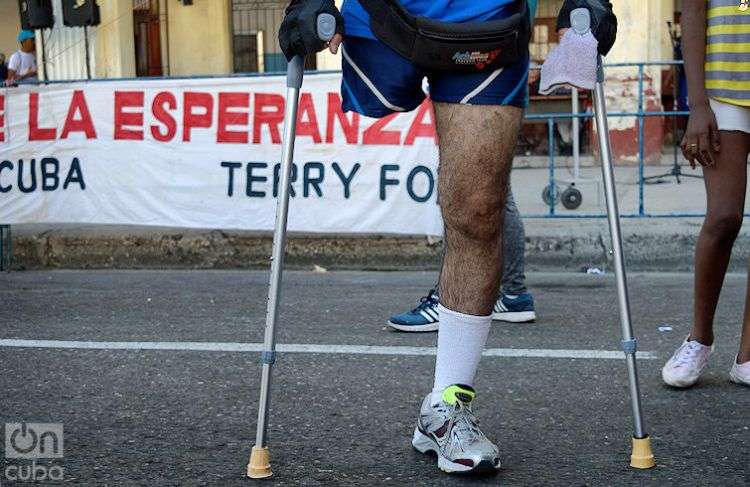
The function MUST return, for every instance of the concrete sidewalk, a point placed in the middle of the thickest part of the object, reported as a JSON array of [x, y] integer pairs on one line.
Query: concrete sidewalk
[[650, 243]]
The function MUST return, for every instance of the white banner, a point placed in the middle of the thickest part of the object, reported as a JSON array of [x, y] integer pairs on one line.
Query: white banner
[[204, 153]]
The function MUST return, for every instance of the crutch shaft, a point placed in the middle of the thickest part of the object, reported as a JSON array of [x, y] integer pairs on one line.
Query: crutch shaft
[[613, 217], [277, 260]]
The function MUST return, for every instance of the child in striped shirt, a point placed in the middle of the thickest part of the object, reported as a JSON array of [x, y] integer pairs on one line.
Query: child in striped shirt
[[716, 47]]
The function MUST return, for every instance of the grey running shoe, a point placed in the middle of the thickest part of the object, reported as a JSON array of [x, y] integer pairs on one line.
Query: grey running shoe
[[450, 430]]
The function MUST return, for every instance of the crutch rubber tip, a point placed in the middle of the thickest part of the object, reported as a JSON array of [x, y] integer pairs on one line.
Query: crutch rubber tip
[[642, 456], [259, 466]]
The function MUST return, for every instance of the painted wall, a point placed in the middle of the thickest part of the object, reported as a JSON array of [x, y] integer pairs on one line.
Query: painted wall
[[10, 24], [548, 8], [115, 41], [642, 36], [200, 37]]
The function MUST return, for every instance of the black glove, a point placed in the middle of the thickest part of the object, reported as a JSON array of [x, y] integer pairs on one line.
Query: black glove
[[298, 34], [603, 20]]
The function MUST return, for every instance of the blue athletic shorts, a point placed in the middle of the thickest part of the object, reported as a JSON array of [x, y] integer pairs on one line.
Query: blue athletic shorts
[[377, 81]]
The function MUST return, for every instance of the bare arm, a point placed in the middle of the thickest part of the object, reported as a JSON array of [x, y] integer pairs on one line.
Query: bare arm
[[11, 80], [701, 139], [29, 74], [14, 65]]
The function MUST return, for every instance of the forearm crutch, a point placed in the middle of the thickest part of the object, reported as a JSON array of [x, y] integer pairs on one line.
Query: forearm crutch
[[641, 456], [259, 465]]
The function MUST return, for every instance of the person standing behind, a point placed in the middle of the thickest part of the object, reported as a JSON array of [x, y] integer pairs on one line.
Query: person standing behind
[[514, 304], [22, 63], [3, 68]]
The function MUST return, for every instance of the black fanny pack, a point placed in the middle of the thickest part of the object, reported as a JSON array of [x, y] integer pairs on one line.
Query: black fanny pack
[[442, 46]]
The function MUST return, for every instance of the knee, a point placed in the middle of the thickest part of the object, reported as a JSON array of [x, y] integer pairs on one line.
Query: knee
[[723, 225], [477, 217]]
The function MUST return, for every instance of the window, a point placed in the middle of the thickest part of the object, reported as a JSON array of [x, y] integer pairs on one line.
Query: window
[[255, 24], [248, 53]]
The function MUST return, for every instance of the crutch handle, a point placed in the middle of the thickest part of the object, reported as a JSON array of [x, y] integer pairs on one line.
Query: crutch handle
[[580, 20], [326, 29]]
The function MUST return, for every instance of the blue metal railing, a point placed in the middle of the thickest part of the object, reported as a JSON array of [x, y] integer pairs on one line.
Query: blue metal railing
[[641, 115]]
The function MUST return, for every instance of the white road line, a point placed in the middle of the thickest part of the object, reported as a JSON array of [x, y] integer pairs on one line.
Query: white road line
[[313, 348]]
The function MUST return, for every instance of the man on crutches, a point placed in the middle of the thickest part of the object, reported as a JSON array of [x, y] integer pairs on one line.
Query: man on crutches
[[474, 54]]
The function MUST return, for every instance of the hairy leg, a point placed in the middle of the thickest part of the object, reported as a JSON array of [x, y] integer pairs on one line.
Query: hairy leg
[[514, 250], [725, 191], [476, 154]]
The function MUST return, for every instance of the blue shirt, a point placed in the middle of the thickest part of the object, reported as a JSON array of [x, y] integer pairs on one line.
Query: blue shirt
[[357, 20]]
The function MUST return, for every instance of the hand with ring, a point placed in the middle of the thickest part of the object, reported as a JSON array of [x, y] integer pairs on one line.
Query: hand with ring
[[701, 140]]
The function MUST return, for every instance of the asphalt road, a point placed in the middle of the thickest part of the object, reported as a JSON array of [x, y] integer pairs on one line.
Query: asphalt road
[[167, 417]]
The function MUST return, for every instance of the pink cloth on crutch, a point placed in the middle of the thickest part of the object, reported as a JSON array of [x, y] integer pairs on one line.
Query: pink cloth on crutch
[[572, 62]]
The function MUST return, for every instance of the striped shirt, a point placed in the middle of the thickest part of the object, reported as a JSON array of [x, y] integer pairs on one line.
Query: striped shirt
[[728, 51]]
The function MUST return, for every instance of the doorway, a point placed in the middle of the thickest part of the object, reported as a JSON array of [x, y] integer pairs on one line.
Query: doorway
[[146, 23]]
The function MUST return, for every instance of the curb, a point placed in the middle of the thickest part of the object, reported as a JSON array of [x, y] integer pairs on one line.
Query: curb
[[653, 245]]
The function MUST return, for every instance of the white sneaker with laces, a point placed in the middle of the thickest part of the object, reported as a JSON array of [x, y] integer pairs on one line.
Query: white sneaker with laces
[[687, 364], [740, 373]]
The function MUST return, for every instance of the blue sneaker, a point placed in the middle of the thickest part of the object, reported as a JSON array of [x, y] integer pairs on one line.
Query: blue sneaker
[[422, 318], [514, 309]]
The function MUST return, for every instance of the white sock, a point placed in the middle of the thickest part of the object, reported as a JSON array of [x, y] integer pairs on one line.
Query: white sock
[[461, 340]]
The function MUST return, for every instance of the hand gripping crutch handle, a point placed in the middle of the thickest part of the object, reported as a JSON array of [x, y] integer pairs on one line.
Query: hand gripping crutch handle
[[259, 464], [326, 28]]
